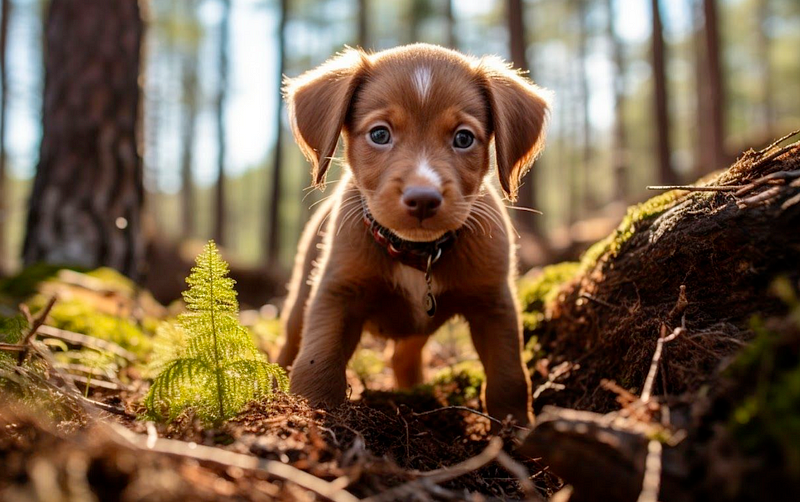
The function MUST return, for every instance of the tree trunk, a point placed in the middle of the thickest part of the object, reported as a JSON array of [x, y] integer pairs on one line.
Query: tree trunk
[[666, 175], [589, 201], [189, 84], [573, 136], [528, 222], [450, 19], [417, 12], [711, 113], [272, 234], [363, 25], [764, 61], [619, 148], [87, 196], [219, 212], [6, 10]]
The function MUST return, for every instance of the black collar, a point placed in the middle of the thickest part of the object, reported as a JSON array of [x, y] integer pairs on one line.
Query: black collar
[[411, 253]]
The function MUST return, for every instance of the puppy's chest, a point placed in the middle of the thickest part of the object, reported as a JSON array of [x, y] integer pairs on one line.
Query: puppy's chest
[[410, 282], [400, 311]]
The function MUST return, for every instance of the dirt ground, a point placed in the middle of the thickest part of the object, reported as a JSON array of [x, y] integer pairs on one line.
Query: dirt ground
[[665, 366]]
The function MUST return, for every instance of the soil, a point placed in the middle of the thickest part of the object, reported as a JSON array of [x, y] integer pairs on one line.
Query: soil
[[697, 264]]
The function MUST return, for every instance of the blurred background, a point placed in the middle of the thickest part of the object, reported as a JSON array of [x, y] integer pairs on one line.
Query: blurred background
[[647, 92]]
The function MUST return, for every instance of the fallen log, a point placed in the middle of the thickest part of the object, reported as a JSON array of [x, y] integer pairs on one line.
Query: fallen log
[[700, 260]]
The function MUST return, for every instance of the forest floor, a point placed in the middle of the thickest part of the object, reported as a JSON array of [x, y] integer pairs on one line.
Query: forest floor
[[665, 365]]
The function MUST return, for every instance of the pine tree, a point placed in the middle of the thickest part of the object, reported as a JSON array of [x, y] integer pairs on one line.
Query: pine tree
[[219, 369]]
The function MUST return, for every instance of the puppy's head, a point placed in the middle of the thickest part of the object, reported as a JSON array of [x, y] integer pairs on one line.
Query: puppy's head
[[418, 123]]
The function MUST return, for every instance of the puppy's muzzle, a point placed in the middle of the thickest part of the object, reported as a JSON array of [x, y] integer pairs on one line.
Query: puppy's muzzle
[[421, 202]]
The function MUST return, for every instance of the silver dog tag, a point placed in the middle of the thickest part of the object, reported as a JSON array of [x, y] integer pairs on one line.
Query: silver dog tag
[[428, 301], [430, 304]]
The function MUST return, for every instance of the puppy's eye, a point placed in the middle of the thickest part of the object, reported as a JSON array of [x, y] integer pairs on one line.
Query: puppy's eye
[[463, 139], [380, 135]]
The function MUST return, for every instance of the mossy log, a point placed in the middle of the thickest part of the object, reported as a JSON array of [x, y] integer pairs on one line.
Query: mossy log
[[698, 262]]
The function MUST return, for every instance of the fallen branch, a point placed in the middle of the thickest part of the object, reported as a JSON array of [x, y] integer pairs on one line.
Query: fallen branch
[[11, 347], [94, 382], [651, 482], [226, 458], [521, 473], [693, 188], [87, 341], [35, 325]]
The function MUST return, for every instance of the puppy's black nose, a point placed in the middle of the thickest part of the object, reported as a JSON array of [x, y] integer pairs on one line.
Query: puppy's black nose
[[421, 202]]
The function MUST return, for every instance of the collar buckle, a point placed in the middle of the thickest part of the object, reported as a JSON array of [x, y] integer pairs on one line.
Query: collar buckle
[[419, 255]]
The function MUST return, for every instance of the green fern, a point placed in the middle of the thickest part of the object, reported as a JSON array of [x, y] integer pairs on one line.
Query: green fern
[[219, 368]]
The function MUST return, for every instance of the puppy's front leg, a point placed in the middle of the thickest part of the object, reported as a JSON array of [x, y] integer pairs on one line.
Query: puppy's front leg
[[330, 335], [497, 335]]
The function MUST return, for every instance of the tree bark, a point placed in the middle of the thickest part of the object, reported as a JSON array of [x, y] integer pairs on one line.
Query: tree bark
[[222, 92], [682, 253], [5, 12], [450, 19], [666, 175], [188, 129], [711, 112], [697, 265], [589, 202], [87, 196], [619, 148], [764, 47], [515, 14], [272, 233], [363, 25]]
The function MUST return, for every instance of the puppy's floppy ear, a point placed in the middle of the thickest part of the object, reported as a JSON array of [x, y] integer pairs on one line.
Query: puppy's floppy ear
[[318, 101], [519, 110]]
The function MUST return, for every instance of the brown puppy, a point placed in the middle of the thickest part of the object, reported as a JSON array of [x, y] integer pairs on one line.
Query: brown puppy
[[414, 234]]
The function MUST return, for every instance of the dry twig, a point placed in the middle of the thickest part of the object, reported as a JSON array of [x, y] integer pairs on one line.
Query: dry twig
[[11, 347], [87, 341], [231, 459], [562, 495], [470, 410], [693, 188], [35, 324], [521, 473], [651, 374], [651, 482]]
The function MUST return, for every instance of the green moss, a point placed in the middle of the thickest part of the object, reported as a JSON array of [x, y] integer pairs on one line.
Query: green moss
[[114, 280], [25, 386], [767, 418], [11, 330], [81, 317], [459, 383], [533, 351], [537, 292], [454, 338], [636, 214], [366, 363], [25, 283]]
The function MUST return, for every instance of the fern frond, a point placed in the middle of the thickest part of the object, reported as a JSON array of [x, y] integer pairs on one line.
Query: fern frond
[[217, 368], [183, 383], [258, 375], [168, 343], [210, 290]]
